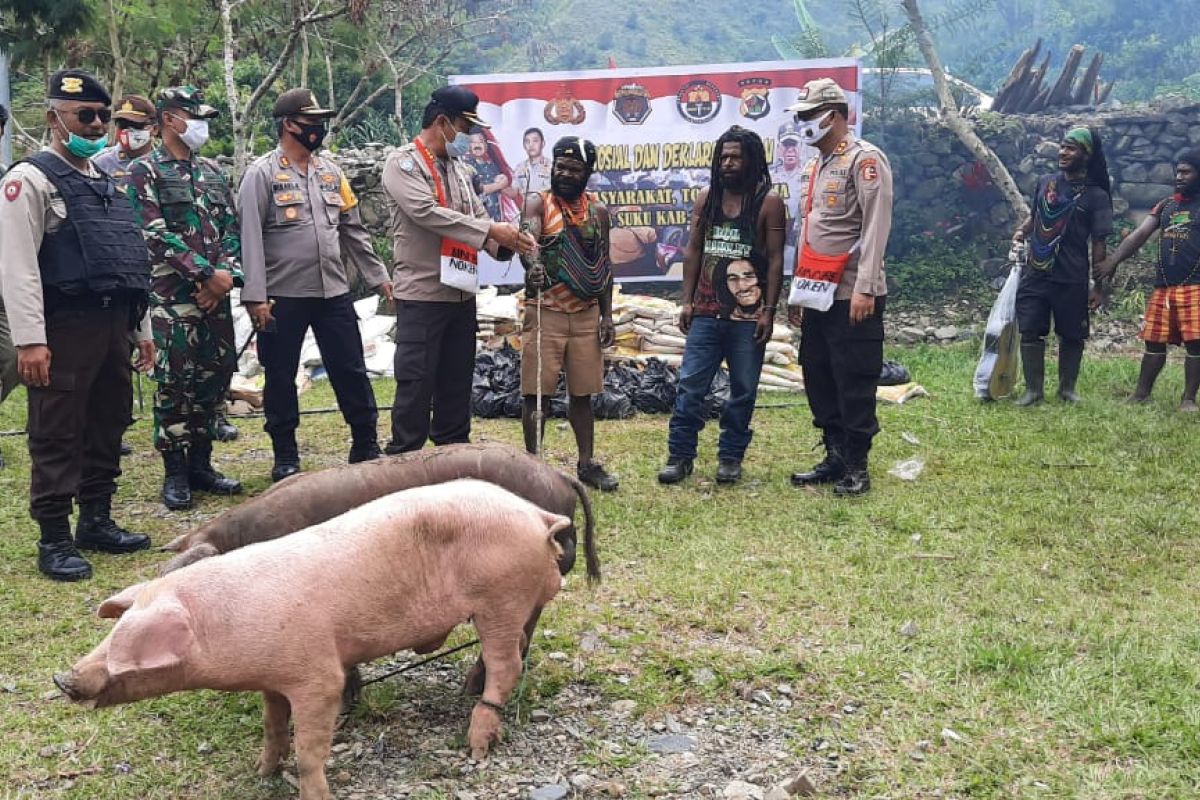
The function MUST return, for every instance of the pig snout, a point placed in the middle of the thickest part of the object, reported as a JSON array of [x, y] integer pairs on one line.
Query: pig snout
[[84, 688]]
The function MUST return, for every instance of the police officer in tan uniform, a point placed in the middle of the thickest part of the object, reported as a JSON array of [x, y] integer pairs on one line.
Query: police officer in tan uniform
[[439, 220], [300, 227], [75, 276], [134, 120], [845, 213]]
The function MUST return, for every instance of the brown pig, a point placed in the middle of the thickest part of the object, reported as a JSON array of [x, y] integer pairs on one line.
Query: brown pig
[[311, 498], [288, 617]]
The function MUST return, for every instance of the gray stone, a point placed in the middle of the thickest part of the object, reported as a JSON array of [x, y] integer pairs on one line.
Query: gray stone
[[1145, 195], [668, 745], [1047, 150], [1162, 173], [1134, 172], [740, 790], [761, 697], [946, 333], [910, 335], [556, 791]]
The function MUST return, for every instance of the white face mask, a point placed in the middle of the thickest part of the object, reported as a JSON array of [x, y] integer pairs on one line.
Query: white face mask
[[135, 139], [196, 134], [811, 131]]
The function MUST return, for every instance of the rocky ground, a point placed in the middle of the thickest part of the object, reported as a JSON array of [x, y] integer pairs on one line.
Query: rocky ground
[[576, 745]]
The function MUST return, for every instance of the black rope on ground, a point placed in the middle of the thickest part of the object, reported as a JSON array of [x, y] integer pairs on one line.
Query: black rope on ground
[[421, 663]]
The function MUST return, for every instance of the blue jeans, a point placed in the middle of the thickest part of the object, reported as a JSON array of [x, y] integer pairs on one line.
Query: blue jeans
[[710, 340]]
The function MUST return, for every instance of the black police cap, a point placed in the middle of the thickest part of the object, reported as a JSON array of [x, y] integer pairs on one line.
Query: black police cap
[[76, 84], [458, 101]]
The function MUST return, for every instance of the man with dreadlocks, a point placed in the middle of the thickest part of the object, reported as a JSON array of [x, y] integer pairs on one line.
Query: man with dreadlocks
[[1070, 208], [845, 213], [736, 221], [1173, 309], [570, 276]]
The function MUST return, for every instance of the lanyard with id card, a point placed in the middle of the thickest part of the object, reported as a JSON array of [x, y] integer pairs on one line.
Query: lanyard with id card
[[459, 262]]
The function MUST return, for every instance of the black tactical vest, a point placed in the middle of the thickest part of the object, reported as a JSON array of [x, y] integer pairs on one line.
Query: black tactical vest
[[99, 249]]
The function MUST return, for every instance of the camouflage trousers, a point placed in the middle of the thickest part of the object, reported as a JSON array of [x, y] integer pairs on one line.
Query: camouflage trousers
[[195, 360]]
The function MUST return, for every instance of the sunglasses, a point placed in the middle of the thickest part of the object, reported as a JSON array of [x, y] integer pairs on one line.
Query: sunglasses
[[87, 116]]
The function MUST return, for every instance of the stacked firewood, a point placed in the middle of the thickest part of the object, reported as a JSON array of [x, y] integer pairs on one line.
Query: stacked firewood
[[1026, 90]]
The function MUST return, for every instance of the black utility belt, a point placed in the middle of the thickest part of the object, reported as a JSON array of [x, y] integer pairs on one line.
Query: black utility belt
[[90, 301]]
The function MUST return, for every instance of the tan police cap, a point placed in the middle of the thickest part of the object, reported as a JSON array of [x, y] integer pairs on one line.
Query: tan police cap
[[816, 93], [135, 108]]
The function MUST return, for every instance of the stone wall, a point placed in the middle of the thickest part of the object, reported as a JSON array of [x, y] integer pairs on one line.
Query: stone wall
[[940, 188]]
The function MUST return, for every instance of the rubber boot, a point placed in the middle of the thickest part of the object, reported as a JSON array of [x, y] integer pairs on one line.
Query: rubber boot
[[676, 470], [1070, 356], [1191, 383], [1033, 365], [58, 559], [97, 531], [201, 475], [830, 469], [287, 455], [176, 493], [1152, 365], [225, 431]]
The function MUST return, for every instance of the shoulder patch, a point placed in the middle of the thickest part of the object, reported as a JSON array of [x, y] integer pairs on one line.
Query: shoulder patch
[[12, 189], [407, 164], [868, 168]]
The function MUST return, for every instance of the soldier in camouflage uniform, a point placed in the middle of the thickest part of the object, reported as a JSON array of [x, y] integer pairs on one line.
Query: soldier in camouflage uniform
[[190, 223]]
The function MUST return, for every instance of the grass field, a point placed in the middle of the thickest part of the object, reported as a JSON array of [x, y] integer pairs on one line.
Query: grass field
[[1034, 591]]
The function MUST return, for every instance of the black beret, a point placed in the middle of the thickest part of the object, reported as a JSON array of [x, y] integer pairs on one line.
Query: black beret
[[577, 148], [75, 84]]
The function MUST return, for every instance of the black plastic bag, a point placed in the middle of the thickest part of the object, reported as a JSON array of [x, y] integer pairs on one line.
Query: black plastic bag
[[656, 390], [893, 374], [718, 395]]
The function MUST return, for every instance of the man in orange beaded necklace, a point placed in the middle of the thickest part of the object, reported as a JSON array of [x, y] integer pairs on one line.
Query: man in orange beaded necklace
[[571, 278]]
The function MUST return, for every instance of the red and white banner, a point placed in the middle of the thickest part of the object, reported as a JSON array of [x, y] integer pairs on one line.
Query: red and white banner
[[654, 130]]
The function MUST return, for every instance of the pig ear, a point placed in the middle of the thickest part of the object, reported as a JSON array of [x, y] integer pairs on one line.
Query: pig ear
[[119, 603], [150, 638]]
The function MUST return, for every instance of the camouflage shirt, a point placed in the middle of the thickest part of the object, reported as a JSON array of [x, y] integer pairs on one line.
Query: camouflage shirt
[[190, 223]]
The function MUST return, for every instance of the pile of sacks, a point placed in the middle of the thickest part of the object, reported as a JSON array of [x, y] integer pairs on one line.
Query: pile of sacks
[[646, 328]]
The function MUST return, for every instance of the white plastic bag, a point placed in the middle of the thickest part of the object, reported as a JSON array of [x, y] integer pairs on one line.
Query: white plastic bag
[[1000, 363]]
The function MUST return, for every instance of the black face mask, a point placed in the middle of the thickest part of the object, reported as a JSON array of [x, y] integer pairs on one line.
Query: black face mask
[[567, 188], [311, 136]]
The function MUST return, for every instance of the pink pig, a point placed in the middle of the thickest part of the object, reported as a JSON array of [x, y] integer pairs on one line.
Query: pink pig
[[288, 617]]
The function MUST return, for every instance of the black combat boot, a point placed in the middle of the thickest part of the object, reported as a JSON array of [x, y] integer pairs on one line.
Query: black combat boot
[[364, 446], [676, 470], [287, 455], [176, 490], [97, 531], [58, 559], [857, 479], [729, 470], [225, 431], [201, 475], [1033, 364], [830, 469], [1070, 356]]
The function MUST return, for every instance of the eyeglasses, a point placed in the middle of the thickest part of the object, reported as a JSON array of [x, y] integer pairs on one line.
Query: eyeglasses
[[124, 124], [87, 116]]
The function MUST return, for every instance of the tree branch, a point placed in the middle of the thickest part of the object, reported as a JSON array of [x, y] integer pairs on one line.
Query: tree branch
[[951, 118]]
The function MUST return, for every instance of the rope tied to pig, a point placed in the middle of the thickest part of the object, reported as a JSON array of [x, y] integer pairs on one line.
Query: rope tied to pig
[[413, 665]]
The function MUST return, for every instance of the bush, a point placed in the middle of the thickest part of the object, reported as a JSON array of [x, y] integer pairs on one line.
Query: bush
[[936, 268]]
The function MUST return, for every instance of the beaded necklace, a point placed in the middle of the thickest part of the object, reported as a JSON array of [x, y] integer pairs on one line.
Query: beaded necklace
[[1162, 273]]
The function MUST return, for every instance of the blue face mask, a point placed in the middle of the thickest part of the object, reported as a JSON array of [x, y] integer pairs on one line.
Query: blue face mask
[[460, 146], [81, 147]]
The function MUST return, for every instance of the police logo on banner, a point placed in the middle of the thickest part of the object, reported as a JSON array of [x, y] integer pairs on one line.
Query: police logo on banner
[[564, 109], [631, 104], [699, 101], [756, 103]]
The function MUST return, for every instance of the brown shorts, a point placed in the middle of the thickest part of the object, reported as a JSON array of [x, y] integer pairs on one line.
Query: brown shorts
[[570, 342], [1172, 315]]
